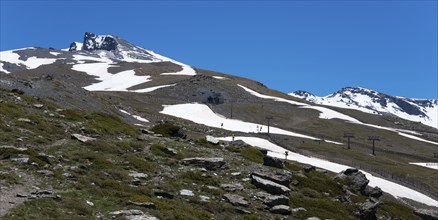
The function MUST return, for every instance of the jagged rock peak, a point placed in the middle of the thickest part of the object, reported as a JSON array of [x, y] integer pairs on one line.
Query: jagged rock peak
[[99, 42], [303, 93]]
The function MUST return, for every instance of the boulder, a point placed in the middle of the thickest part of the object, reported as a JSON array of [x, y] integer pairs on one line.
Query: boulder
[[21, 160], [146, 131], [308, 169], [272, 200], [211, 139], [281, 209], [236, 199], [273, 162], [299, 209], [283, 178], [148, 205], [39, 106], [186, 192], [82, 138], [240, 143], [163, 194], [269, 186], [375, 192], [426, 214], [133, 214], [367, 210], [232, 187], [135, 174], [212, 163], [44, 157], [358, 179]]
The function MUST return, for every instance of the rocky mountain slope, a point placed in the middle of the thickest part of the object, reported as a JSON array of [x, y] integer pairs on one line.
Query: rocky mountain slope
[[106, 129], [366, 100]]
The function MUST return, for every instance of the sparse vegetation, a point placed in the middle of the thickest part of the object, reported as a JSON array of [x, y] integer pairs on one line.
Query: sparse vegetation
[[252, 154]]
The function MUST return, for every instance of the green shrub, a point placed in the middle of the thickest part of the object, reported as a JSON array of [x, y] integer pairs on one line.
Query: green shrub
[[161, 150], [393, 210], [310, 193], [141, 164], [233, 148], [73, 115], [102, 123], [167, 129], [252, 154], [9, 178], [200, 178], [7, 152]]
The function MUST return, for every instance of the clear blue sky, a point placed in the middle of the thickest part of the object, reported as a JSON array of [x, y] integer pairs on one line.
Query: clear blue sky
[[318, 46]]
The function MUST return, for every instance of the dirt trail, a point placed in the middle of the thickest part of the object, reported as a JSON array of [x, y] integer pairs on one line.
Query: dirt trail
[[8, 194]]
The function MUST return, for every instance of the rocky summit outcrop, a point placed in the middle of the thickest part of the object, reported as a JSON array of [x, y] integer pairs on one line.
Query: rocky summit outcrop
[[98, 42]]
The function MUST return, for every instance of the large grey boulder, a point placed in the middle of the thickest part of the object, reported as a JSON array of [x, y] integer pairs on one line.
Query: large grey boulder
[[269, 186], [358, 179], [273, 162], [283, 178], [212, 163], [375, 192], [236, 199], [281, 209], [272, 200], [367, 210]]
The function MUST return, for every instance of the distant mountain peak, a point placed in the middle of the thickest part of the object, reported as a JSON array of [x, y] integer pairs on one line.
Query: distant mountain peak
[[370, 101]]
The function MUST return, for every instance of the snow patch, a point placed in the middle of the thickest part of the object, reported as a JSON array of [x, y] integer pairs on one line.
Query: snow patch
[[3, 70], [31, 63], [431, 165], [118, 82], [151, 89], [220, 77], [54, 53], [202, 114], [139, 118]]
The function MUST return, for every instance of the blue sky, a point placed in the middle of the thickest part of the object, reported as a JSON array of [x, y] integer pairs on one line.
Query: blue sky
[[317, 46]]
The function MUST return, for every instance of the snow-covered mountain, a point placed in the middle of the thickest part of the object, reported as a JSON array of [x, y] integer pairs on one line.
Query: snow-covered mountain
[[366, 100], [100, 56]]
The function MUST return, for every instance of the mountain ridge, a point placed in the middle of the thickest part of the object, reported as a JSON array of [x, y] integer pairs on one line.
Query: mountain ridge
[[374, 102]]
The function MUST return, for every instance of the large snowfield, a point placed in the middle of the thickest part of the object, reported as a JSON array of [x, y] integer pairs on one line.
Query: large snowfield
[[392, 188], [202, 114]]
